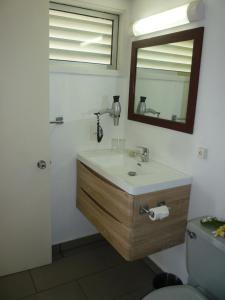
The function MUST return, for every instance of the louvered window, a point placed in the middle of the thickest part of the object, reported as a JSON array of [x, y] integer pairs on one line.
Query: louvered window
[[82, 35], [170, 57]]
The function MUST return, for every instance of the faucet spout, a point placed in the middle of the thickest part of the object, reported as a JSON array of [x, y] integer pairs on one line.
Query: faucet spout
[[144, 155]]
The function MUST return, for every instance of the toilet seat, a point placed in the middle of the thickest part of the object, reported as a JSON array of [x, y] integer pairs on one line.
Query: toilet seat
[[179, 292]]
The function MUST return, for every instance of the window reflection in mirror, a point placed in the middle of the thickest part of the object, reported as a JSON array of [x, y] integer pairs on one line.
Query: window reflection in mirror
[[164, 76], [162, 80]]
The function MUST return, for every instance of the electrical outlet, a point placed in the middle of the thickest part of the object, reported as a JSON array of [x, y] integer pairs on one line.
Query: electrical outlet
[[202, 153]]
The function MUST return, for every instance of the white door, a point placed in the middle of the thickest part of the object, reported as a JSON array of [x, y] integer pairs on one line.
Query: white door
[[25, 233]]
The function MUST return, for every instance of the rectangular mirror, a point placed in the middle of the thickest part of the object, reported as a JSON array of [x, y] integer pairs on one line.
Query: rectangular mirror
[[164, 80]]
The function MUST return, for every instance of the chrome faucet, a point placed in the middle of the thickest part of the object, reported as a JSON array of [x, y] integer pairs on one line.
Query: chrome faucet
[[114, 111], [144, 155]]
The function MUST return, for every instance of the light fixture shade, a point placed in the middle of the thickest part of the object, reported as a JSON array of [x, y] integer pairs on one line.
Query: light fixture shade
[[196, 11], [178, 16]]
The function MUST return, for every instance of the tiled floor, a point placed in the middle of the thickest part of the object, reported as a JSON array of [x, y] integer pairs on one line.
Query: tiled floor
[[93, 272]]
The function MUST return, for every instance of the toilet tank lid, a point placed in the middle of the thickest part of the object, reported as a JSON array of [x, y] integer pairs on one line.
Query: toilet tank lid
[[205, 233]]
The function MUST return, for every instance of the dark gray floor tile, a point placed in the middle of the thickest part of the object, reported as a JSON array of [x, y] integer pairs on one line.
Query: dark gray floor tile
[[152, 265], [139, 293], [56, 252], [87, 247], [117, 281], [69, 291], [81, 242], [16, 286], [126, 297], [73, 267]]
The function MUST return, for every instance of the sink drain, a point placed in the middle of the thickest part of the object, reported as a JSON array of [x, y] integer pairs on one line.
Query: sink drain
[[132, 173]]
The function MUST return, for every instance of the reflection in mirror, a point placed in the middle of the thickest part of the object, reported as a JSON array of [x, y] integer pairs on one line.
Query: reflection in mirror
[[162, 80], [164, 75]]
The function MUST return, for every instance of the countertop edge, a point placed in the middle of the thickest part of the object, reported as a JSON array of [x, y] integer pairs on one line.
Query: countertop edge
[[135, 191]]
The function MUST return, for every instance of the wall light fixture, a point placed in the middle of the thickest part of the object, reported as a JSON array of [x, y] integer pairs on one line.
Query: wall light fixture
[[190, 12]]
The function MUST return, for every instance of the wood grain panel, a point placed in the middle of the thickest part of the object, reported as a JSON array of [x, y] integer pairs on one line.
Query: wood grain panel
[[115, 214], [113, 231], [154, 243], [177, 199], [114, 200]]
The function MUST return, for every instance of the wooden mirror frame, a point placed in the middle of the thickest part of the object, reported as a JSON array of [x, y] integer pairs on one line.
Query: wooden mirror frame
[[193, 34]]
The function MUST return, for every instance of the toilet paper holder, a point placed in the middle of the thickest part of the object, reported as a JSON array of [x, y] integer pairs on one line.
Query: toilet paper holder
[[146, 210]]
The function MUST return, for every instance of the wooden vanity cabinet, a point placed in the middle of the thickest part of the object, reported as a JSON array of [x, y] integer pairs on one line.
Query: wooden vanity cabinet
[[115, 214]]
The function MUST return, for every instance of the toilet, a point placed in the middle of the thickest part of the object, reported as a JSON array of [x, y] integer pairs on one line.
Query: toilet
[[205, 265]]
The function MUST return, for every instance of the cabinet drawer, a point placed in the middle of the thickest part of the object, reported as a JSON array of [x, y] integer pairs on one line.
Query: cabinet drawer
[[177, 199], [116, 215], [114, 200], [113, 231], [154, 240]]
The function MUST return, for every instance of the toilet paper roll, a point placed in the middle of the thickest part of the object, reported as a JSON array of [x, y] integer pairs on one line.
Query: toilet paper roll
[[158, 213]]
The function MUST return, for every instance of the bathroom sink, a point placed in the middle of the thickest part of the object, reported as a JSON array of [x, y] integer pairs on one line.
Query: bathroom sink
[[131, 175]]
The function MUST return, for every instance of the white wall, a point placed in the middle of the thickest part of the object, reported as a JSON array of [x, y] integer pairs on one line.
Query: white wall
[[76, 93], [178, 149], [171, 147], [76, 97], [166, 92]]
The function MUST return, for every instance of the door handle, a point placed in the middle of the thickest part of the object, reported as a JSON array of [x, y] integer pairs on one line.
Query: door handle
[[41, 164], [58, 121]]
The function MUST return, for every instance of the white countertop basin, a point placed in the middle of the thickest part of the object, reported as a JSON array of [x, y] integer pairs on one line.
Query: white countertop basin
[[150, 176]]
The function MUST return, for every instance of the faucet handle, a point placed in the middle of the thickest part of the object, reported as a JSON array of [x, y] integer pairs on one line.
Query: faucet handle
[[144, 149], [144, 154]]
